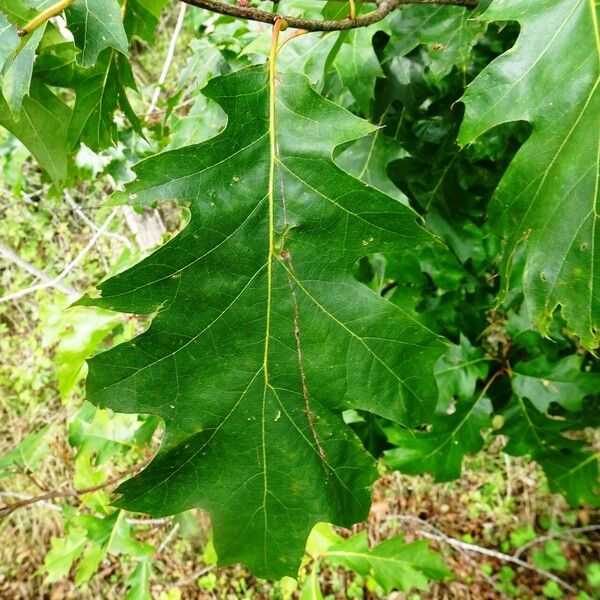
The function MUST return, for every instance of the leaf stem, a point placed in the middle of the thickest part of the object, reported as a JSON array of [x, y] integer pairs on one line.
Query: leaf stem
[[280, 25], [44, 16], [352, 5], [290, 37]]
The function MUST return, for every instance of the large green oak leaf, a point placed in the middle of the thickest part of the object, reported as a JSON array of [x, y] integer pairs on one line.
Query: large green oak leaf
[[261, 337], [548, 198]]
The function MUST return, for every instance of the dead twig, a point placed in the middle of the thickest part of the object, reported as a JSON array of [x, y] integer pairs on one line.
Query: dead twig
[[427, 530], [7, 509], [566, 534], [54, 282]]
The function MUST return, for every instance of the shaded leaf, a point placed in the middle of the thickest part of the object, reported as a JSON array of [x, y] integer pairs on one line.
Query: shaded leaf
[[573, 475], [42, 127], [368, 159], [570, 469], [441, 450], [563, 382], [358, 66], [142, 18], [9, 40], [55, 63], [548, 198], [25, 454], [18, 12], [457, 372], [447, 34], [310, 55], [100, 91], [16, 78], [96, 25]]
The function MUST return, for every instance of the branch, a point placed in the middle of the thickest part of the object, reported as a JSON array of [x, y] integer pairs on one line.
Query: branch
[[44, 16], [58, 509], [167, 539], [193, 578], [567, 534], [427, 530], [384, 8], [13, 257], [7, 509], [56, 280], [168, 60], [109, 234], [500, 556]]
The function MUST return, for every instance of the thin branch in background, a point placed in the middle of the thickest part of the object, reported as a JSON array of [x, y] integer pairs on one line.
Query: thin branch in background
[[56, 508], [27, 473], [167, 539], [566, 534], [13, 257], [508, 478], [41, 503], [79, 212], [150, 522], [56, 280], [192, 579], [33, 198], [177, 107], [500, 556], [168, 60], [384, 8], [427, 530], [7, 509]]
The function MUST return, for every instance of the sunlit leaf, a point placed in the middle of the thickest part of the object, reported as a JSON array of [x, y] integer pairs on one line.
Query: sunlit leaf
[[261, 336]]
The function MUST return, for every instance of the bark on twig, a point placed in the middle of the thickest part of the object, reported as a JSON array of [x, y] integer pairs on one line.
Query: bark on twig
[[384, 8]]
